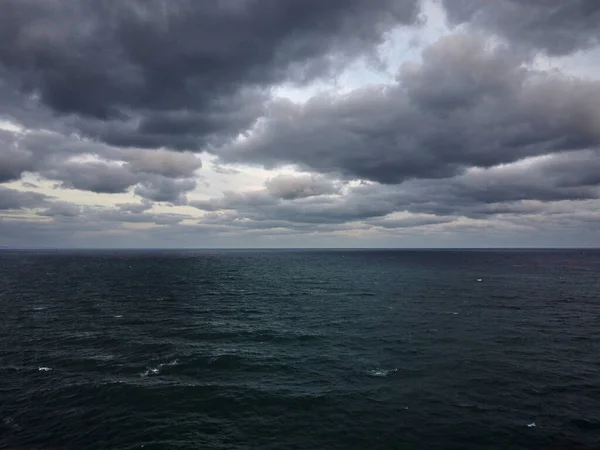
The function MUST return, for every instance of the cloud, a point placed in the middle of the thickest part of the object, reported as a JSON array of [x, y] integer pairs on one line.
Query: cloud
[[14, 199], [557, 27], [411, 221], [290, 187], [61, 209], [236, 200], [135, 208], [80, 163], [466, 104], [525, 187], [161, 189], [13, 162], [101, 177], [177, 73], [118, 216], [469, 137], [163, 162]]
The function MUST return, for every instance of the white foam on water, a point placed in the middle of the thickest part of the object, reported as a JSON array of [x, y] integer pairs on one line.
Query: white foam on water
[[479, 279], [381, 372], [531, 425], [117, 317], [156, 370], [44, 369], [151, 371]]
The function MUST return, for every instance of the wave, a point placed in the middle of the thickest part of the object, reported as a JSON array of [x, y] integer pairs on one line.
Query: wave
[[381, 372], [156, 370]]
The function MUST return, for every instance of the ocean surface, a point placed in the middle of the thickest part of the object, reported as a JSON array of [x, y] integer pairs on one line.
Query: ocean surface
[[300, 349]]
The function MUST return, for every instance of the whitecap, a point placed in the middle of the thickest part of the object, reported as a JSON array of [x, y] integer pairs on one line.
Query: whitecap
[[117, 317], [381, 372], [479, 279], [151, 371], [156, 370], [531, 425], [44, 369]]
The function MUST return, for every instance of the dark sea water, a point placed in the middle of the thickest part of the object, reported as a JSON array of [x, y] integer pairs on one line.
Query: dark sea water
[[300, 349]]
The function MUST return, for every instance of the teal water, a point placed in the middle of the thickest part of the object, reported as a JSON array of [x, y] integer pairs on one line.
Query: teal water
[[299, 349]]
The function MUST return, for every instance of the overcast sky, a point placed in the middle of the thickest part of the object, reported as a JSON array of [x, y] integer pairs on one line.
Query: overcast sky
[[299, 123]]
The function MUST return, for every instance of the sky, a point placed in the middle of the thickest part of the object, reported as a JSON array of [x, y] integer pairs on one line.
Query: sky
[[299, 123]]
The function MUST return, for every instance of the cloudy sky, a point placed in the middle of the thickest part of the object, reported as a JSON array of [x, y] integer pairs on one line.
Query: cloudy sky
[[299, 123]]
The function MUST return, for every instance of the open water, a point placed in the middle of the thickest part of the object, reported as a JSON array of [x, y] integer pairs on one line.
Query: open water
[[300, 349]]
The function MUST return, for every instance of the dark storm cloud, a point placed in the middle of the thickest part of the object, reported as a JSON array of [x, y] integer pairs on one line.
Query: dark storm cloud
[[13, 199], [555, 26], [155, 73], [467, 104], [184, 129]]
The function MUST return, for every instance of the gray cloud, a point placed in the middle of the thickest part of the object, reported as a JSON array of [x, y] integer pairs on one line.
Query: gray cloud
[[290, 187], [174, 73], [555, 26], [61, 209], [158, 174], [297, 191], [522, 188], [13, 162], [101, 177], [467, 104], [137, 208], [163, 162], [411, 221], [466, 138], [161, 189], [14, 199], [118, 216], [93, 227], [236, 200]]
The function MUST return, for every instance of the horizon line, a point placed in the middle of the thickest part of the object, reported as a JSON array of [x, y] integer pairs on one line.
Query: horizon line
[[7, 248]]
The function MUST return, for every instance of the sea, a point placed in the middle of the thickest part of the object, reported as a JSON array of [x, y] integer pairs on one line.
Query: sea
[[300, 349]]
